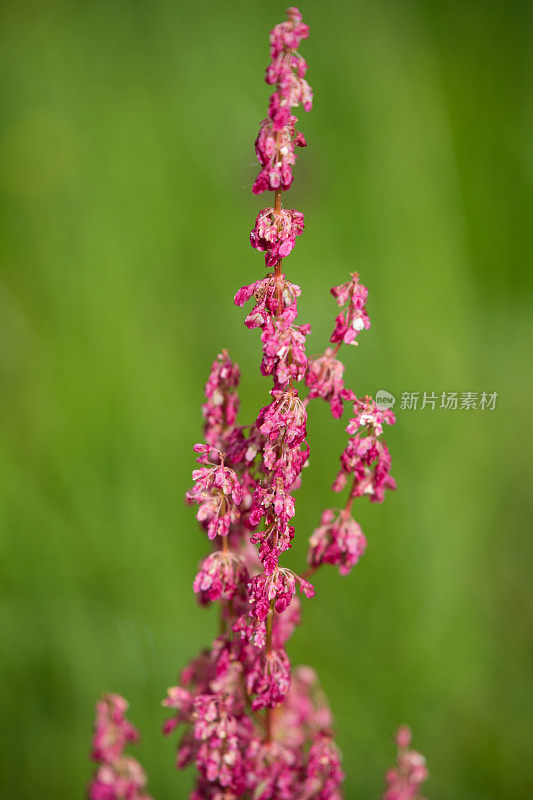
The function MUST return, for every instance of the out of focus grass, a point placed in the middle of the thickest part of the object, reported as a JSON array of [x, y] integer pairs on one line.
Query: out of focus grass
[[126, 164]]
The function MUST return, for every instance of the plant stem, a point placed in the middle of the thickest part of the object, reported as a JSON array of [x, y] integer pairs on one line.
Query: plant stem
[[277, 268], [268, 647]]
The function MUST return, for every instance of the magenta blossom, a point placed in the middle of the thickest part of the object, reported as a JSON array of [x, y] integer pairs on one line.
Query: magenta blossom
[[404, 781], [252, 726], [218, 493], [119, 776], [275, 151], [274, 234], [353, 318], [220, 576], [269, 679], [339, 540], [324, 379], [222, 401], [267, 293]]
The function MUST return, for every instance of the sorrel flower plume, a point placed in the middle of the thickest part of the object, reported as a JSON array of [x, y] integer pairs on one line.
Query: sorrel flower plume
[[254, 726], [404, 781], [118, 777]]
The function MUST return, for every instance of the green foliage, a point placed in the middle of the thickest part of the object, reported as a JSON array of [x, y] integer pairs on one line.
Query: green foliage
[[126, 163]]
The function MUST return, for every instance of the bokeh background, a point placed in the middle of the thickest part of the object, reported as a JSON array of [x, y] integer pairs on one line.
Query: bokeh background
[[127, 159]]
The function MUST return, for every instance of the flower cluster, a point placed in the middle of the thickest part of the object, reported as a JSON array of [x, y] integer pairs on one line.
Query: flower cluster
[[252, 724], [118, 777], [220, 576], [351, 297], [275, 232], [275, 311], [275, 150], [222, 401], [297, 760], [404, 781], [277, 139], [339, 540], [366, 457], [217, 491], [324, 379]]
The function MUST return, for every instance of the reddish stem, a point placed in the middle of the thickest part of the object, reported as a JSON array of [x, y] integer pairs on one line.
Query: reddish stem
[[268, 647], [277, 268]]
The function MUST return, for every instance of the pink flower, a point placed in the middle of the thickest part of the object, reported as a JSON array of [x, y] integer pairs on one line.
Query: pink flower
[[218, 493], [339, 541], [275, 769], [353, 318], [181, 700], [404, 781], [112, 731], [251, 630], [287, 70], [266, 293], [286, 462], [269, 678], [369, 463], [403, 736], [244, 488], [276, 153], [285, 416], [323, 774], [222, 401], [366, 413], [284, 351], [220, 577], [275, 591], [366, 457], [275, 234], [122, 780], [324, 379], [223, 731], [288, 35], [119, 777]]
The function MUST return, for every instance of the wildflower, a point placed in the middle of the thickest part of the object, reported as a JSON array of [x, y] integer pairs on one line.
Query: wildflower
[[404, 781], [218, 493], [252, 726], [275, 150], [353, 318], [276, 591], [119, 776], [220, 577], [339, 540], [267, 292], [222, 401], [323, 774], [366, 413], [274, 234], [368, 462], [112, 731], [324, 379], [269, 678], [285, 416], [284, 352]]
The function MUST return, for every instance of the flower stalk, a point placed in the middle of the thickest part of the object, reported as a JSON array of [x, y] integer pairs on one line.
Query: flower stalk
[[244, 489]]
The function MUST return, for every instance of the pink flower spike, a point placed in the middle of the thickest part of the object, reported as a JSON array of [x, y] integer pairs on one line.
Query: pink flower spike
[[275, 234], [118, 775], [338, 541], [404, 781], [354, 318]]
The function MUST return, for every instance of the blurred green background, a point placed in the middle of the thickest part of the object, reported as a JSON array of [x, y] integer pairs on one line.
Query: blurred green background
[[127, 159]]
